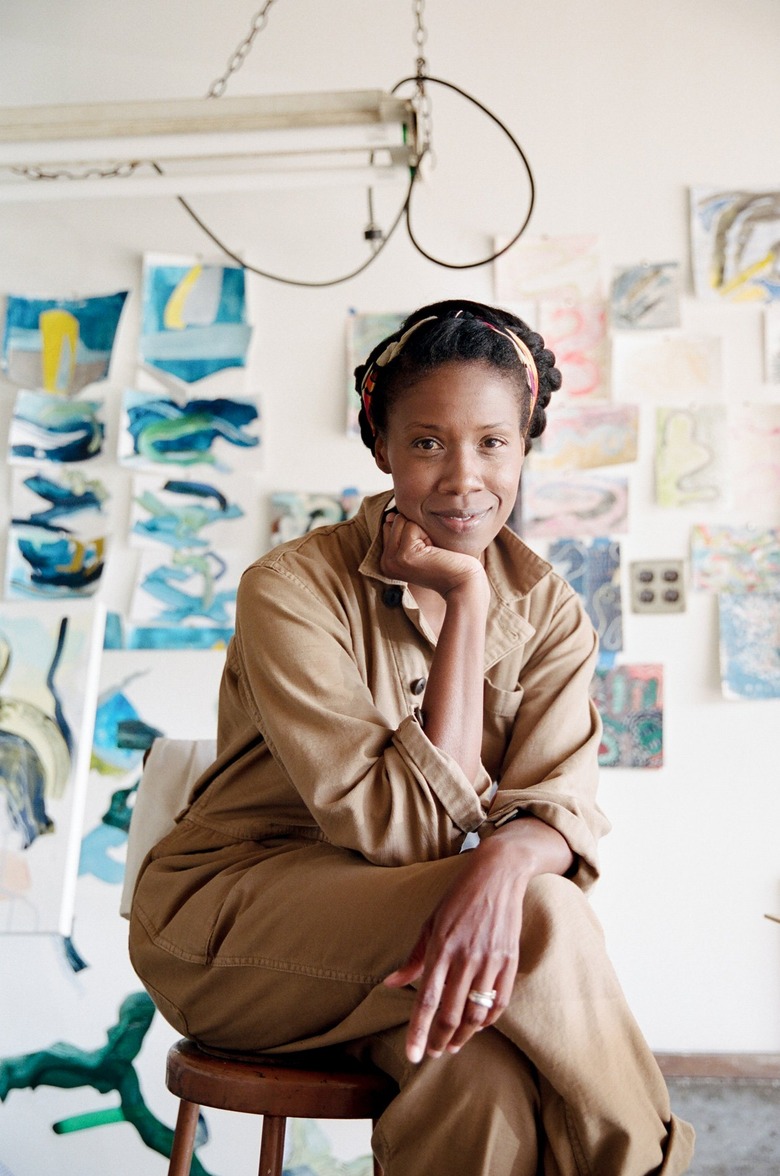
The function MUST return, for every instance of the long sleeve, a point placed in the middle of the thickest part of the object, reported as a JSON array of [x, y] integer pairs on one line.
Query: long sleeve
[[324, 692], [550, 768]]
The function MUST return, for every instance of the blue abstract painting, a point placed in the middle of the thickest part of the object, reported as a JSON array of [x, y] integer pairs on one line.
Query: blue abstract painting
[[749, 645], [593, 570], [193, 318], [160, 431], [51, 428], [60, 345]]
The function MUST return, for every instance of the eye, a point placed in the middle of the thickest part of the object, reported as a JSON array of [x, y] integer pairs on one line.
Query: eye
[[428, 444], [493, 442]]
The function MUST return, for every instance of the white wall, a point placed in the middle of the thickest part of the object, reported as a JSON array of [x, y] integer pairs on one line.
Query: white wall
[[620, 106]]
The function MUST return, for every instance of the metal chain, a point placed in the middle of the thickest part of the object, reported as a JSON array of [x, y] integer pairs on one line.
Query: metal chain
[[240, 53], [40, 173], [422, 100]]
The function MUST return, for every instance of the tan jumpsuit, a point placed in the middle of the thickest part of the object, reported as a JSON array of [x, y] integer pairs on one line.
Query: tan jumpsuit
[[329, 828]]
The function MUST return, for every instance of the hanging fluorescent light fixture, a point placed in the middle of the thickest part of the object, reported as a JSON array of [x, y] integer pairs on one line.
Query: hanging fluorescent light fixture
[[184, 146]]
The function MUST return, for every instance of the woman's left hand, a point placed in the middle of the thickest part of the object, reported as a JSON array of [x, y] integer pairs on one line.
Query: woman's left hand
[[470, 943]]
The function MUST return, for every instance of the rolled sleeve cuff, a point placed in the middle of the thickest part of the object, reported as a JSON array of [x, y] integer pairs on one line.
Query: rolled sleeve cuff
[[465, 803], [581, 831]]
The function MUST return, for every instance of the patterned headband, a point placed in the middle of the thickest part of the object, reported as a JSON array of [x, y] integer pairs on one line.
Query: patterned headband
[[394, 349]]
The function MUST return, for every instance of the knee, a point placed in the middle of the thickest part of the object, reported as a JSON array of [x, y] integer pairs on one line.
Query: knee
[[557, 911]]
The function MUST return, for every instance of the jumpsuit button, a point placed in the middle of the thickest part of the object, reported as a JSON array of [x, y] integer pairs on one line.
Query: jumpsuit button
[[392, 596], [418, 685]]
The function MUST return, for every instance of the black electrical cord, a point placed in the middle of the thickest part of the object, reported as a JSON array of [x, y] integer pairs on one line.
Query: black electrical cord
[[404, 212], [502, 126]]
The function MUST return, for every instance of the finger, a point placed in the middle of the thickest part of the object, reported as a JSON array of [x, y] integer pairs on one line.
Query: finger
[[423, 1013], [475, 1015], [414, 965], [458, 1018], [504, 985]]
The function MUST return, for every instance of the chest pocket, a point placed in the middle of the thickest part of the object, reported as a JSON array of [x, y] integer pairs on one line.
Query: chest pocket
[[501, 710]]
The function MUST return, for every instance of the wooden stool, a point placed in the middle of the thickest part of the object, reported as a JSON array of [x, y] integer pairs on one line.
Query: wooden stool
[[318, 1084]]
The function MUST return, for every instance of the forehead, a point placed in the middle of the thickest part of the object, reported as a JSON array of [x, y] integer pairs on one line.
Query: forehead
[[477, 392]]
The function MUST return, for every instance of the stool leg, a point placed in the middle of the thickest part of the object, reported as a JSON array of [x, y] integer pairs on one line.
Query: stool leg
[[272, 1145], [184, 1139]]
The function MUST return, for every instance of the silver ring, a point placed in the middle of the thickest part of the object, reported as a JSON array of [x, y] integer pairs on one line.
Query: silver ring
[[485, 999]]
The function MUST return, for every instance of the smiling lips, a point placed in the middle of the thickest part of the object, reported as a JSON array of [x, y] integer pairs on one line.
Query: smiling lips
[[460, 520]]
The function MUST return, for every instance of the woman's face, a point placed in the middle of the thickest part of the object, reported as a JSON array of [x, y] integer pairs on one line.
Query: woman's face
[[454, 448]]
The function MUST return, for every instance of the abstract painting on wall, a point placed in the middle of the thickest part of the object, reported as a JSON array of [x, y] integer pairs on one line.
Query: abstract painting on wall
[[654, 365], [735, 244], [184, 512], [730, 559], [577, 333], [630, 702], [567, 267], [71, 499], [586, 437], [645, 297], [47, 563], [755, 461], [364, 332], [51, 428], [294, 514], [49, 667], [579, 505], [158, 430], [593, 570], [750, 645], [193, 317], [60, 345], [691, 456], [187, 592], [772, 344]]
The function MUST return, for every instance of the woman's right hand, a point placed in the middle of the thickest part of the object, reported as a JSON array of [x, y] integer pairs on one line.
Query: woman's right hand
[[408, 554]]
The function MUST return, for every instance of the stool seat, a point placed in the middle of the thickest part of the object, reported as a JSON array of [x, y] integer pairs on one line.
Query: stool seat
[[317, 1084]]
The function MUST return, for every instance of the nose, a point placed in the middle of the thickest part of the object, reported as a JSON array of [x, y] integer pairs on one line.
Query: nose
[[460, 472]]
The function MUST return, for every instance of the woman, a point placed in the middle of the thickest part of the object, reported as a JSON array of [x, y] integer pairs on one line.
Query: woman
[[397, 683]]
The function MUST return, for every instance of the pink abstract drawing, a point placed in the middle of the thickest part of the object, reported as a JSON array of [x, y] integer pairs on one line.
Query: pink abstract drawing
[[577, 333], [735, 559], [576, 505]]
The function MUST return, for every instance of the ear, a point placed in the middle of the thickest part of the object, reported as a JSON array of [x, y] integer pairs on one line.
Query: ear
[[380, 454]]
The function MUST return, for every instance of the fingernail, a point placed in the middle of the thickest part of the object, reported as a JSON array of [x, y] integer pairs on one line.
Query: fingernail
[[453, 1049], [434, 1053], [415, 1053]]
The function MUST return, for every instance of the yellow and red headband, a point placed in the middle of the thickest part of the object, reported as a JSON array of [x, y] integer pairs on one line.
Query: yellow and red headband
[[394, 349]]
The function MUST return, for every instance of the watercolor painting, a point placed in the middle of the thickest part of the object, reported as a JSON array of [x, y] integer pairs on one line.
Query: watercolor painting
[[654, 365], [50, 428], [108, 1069], [193, 317], [749, 645], [692, 456], [586, 437], [735, 244], [556, 268], [159, 431], [364, 332], [188, 513], [46, 563], [185, 592], [58, 345], [630, 702], [734, 559], [772, 344], [294, 514], [577, 333], [579, 505], [646, 297], [593, 570], [72, 499], [755, 461], [49, 666]]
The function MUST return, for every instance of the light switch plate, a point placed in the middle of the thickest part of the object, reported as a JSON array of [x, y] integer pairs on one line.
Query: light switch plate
[[657, 585]]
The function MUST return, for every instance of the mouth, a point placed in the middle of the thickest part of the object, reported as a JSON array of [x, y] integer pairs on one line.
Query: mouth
[[461, 521]]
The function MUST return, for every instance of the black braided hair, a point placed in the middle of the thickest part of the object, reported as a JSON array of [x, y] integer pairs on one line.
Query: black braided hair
[[457, 334]]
